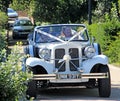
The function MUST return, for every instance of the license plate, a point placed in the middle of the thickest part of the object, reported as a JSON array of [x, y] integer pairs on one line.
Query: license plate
[[69, 76], [23, 33]]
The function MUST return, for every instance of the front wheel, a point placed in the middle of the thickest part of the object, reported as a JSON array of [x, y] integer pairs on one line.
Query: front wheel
[[31, 90], [104, 84]]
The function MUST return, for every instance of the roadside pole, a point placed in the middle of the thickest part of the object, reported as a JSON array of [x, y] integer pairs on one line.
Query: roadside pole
[[89, 12]]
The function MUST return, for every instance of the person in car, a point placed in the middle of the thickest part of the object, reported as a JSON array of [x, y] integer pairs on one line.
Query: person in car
[[66, 33]]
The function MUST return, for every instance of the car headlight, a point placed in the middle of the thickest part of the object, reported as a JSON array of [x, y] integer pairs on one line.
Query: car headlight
[[89, 51], [44, 53]]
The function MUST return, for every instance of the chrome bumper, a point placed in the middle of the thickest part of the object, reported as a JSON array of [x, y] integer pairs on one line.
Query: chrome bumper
[[70, 76]]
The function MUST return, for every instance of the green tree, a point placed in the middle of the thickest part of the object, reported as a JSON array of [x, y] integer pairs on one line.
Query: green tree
[[4, 4], [58, 11], [20, 4]]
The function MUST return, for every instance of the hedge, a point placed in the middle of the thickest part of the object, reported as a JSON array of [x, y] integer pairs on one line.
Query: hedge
[[108, 35]]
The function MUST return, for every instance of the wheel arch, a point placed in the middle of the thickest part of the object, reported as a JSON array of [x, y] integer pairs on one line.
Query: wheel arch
[[96, 68], [38, 69], [94, 62], [33, 62]]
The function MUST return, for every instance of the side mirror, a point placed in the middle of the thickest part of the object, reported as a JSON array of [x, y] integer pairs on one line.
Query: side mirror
[[93, 39]]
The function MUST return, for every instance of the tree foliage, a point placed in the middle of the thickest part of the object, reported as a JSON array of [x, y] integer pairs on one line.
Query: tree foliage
[[4, 4], [20, 4], [108, 35], [57, 11], [3, 20], [63, 11]]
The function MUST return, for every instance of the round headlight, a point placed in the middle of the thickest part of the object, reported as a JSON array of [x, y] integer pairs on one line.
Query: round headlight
[[44, 53], [89, 51]]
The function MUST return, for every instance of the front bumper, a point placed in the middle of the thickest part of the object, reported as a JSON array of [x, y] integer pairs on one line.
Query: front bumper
[[70, 76], [21, 34]]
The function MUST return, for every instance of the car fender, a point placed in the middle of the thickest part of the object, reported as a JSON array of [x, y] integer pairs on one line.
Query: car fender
[[33, 61], [98, 59]]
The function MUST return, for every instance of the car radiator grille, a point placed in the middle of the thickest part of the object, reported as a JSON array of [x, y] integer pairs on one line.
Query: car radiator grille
[[24, 30], [73, 64]]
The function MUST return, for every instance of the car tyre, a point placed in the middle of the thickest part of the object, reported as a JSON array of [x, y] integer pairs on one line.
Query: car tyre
[[31, 90], [104, 85]]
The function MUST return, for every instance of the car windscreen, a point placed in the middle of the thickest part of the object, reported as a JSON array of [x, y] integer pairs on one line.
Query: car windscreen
[[62, 32], [10, 10], [23, 23]]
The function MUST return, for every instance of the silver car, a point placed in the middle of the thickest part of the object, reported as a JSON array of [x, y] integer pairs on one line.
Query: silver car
[[12, 14], [22, 27]]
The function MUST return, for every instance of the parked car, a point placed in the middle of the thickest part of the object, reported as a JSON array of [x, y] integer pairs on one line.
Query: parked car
[[12, 14], [22, 27], [63, 55]]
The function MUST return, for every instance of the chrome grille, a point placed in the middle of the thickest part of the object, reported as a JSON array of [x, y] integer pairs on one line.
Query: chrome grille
[[73, 64], [74, 53], [24, 30], [59, 53]]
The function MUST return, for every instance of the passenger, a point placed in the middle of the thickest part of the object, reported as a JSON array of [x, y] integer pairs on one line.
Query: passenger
[[65, 33]]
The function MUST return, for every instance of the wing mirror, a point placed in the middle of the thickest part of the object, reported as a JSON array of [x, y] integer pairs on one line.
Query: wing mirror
[[93, 40]]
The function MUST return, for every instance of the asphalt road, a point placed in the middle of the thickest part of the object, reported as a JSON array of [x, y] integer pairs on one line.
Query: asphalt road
[[78, 94]]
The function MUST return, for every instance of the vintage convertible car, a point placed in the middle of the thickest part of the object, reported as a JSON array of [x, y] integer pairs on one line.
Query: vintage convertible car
[[64, 55]]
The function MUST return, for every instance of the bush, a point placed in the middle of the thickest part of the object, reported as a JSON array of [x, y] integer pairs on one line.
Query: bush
[[108, 35], [12, 79], [3, 20], [3, 44], [97, 30], [2, 39], [114, 51]]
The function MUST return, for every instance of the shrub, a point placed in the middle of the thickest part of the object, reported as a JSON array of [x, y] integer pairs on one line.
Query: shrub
[[3, 20], [114, 51], [2, 39], [108, 35], [97, 30], [12, 79], [3, 44]]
